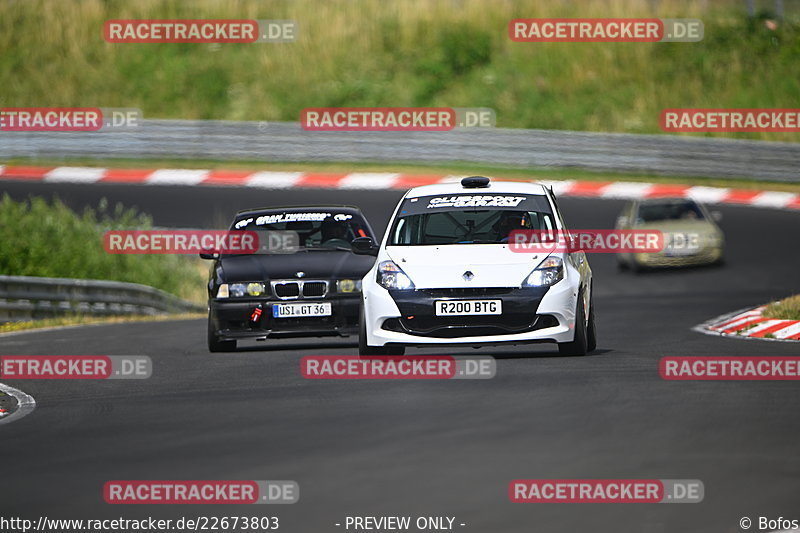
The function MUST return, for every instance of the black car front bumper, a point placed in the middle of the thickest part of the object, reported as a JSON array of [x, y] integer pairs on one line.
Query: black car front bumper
[[230, 319]]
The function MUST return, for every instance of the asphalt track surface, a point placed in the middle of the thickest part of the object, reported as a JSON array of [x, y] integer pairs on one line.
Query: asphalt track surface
[[442, 448]]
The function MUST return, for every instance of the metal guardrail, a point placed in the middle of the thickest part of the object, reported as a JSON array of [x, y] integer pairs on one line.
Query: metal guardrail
[[27, 298], [287, 141]]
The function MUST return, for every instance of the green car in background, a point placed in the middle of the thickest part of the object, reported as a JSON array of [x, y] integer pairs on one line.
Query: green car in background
[[691, 234]]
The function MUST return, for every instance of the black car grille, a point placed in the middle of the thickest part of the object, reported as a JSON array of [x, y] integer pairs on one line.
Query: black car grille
[[314, 289], [287, 290], [295, 289]]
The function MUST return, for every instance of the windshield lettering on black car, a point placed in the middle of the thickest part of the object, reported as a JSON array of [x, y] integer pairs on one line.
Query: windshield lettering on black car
[[317, 230]]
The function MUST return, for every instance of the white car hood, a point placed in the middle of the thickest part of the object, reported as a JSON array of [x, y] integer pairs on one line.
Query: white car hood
[[492, 265]]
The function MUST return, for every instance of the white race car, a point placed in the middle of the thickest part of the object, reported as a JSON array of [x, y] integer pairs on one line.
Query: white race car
[[445, 274]]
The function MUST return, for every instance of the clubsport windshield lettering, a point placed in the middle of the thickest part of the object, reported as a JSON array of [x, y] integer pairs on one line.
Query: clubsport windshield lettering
[[468, 219]]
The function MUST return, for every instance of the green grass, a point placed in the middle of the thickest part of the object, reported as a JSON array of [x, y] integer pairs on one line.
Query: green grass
[[787, 309], [402, 53], [47, 239]]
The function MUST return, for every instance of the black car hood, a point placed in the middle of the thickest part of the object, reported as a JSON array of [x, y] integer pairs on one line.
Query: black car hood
[[316, 265]]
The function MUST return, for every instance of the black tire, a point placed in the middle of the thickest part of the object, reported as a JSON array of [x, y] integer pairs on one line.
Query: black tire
[[365, 349], [214, 344], [591, 331], [579, 345]]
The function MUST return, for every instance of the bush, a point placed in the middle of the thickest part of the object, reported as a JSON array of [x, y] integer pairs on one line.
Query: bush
[[47, 239]]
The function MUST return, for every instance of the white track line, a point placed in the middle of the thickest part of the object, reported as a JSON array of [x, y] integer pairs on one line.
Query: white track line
[[788, 331], [273, 180], [773, 199], [368, 180], [25, 404], [755, 328], [736, 323], [711, 195], [75, 175], [177, 176], [626, 190]]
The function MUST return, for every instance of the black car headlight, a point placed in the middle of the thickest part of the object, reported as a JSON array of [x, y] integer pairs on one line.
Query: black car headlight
[[348, 285], [239, 290]]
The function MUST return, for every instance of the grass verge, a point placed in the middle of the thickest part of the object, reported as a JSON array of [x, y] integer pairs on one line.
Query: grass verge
[[786, 309], [85, 320], [375, 53]]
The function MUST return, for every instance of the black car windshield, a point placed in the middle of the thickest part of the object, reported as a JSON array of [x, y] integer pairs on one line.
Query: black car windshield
[[316, 230], [468, 219], [677, 210]]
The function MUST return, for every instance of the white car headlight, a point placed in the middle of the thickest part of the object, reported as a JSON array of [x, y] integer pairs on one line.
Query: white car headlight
[[551, 271], [391, 276]]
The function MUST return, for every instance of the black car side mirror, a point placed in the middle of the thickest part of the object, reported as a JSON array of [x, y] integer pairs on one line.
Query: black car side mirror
[[364, 246], [209, 255]]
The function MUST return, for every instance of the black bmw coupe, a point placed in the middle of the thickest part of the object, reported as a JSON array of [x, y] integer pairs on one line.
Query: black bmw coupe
[[304, 280]]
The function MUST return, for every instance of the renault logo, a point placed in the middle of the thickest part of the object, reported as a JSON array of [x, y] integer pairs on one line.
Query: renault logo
[[468, 276]]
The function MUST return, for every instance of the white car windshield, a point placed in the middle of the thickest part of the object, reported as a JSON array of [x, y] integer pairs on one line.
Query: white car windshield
[[462, 226]]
